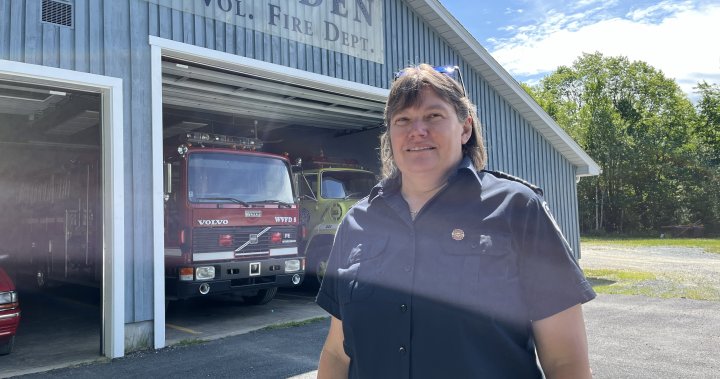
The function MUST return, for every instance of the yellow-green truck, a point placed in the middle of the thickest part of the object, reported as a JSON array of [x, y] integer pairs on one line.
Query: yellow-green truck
[[327, 190]]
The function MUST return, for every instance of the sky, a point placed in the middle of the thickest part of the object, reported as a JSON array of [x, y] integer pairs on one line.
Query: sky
[[531, 38]]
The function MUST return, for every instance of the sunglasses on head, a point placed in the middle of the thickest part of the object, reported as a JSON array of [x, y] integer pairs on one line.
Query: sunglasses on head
[[450, 71]]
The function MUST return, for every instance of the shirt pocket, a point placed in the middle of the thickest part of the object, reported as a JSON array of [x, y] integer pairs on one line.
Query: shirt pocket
[[487, 284], [485, 260], [362, 273]]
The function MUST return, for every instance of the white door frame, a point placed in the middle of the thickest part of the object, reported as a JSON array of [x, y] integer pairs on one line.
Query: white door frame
[[111, 91]]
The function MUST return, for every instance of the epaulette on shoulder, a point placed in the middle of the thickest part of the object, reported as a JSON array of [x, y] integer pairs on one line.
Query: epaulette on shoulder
[[503, 175]]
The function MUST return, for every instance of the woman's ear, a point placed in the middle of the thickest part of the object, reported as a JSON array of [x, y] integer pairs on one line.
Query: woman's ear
[[467, 130]]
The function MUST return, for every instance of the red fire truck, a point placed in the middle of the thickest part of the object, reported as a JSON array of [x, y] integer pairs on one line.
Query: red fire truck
[[231, 219]]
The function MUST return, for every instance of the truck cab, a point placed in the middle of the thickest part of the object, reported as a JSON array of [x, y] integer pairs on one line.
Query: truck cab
[[231, 220], [327, 189]]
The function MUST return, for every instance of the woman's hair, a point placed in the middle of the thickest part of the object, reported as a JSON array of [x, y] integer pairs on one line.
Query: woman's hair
[[406, 92]]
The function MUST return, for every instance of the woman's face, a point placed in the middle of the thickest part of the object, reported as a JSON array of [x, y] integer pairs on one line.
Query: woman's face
[[427, 139]]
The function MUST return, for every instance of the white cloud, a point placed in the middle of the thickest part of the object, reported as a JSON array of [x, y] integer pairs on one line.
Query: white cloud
[[682, 43], [511, 11], [659, 10], [586, 3]]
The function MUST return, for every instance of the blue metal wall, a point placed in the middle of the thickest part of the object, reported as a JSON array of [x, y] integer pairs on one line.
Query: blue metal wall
[[110, 37]]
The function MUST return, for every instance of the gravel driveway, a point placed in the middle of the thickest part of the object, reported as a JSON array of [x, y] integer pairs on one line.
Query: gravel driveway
[[644, 337], [681, 260]]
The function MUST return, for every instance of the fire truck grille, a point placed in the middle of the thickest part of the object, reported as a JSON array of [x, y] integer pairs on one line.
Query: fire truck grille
[[207, 240]]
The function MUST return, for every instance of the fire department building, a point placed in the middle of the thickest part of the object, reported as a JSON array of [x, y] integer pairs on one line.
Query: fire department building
[[122, 76]]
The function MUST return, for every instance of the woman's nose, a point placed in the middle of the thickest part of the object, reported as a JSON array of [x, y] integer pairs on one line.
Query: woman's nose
[[418, 127]]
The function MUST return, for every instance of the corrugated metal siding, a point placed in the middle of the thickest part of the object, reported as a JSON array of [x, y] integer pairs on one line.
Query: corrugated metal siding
[[109, 34]]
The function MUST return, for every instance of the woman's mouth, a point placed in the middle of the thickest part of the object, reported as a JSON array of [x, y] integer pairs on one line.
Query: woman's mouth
[[419, 148]]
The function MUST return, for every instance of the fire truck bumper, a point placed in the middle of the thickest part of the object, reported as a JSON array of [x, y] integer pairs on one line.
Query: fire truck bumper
[[239, 277]]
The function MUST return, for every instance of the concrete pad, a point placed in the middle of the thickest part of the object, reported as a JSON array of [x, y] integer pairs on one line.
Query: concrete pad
[[213, 318]]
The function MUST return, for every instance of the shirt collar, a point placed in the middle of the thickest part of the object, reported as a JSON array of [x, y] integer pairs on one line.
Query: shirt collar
[[466, 165], [388, 186]]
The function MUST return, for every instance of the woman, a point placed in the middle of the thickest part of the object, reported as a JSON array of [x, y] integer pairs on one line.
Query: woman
[[444, 271]]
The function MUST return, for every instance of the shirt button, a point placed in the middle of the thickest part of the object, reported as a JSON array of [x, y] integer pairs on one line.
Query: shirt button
[[407, 268], [403, 308], [402, 350]]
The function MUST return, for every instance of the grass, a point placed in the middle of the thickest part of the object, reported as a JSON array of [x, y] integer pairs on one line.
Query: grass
[[626, 282], [710, 245], [191, 342], [294, 324]]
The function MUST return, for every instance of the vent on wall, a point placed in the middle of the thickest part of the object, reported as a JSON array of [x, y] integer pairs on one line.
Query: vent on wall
[[57, 12]]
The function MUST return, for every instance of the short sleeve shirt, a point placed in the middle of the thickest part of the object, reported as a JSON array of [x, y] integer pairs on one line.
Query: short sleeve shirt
[[452, 293]]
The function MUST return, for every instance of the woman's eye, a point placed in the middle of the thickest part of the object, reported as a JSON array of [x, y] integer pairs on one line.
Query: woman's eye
[[401, 121]]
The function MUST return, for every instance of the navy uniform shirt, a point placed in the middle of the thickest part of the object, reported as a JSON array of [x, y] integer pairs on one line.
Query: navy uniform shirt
[[451, 294]]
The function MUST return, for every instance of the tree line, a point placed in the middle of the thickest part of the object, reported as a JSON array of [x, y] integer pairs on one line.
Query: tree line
[[659, 152]]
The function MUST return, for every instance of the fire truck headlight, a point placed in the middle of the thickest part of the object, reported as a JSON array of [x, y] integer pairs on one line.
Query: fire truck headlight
[[292, 265], [8, 300], [205, 273]]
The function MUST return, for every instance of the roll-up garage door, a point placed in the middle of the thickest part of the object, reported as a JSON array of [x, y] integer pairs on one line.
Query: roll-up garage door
[[271, 100]]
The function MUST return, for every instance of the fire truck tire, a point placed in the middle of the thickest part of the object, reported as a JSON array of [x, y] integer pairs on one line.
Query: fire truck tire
[[262, 297], [318, 262], [7, 347]]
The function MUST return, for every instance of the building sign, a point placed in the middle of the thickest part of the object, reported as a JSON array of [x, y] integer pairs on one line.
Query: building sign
[[353, 27]]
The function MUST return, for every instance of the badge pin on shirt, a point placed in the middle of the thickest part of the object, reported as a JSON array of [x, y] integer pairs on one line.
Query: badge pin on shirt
[[457, 234]]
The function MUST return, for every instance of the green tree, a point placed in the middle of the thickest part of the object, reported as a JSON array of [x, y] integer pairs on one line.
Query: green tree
[[643, 131], [704, 204], [708, 128]]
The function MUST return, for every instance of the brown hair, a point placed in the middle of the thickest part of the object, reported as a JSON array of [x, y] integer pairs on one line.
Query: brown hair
[[406, 92]]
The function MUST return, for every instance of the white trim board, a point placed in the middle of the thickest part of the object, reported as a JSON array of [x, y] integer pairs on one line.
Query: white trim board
[[158, 201], [111, 91]]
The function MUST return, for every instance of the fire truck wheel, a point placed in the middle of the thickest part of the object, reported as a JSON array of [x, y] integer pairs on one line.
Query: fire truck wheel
[[320, 270], [318, 262], [7, 347], [262, 297]]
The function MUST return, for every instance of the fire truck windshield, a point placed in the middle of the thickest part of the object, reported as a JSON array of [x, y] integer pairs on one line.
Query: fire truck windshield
[[346, 184], [232, 178]]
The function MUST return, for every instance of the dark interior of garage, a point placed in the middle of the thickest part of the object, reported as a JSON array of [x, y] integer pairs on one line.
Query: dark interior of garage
[[50, 186]]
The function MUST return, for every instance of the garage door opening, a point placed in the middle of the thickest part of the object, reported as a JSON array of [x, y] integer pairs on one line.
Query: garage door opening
[[52, 220], [295, 120]]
